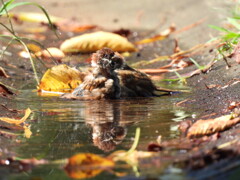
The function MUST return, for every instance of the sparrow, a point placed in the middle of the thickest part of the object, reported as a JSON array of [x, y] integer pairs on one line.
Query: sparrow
[[133, 82], [102, 82]]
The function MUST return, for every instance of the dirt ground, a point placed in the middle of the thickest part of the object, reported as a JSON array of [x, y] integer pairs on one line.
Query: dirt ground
[[213, 91]]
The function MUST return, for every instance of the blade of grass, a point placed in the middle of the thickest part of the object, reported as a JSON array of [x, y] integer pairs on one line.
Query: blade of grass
[[196, 64], [234, 22], [220, 29], [5, 5]]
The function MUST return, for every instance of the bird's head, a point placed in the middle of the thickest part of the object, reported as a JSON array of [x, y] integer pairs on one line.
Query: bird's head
[[107, 59]]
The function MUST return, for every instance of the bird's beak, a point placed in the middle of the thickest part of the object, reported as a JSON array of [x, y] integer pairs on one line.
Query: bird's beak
[[105, 62]]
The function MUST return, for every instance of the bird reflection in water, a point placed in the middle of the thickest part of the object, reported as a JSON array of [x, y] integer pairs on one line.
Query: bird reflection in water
[[108, 120]]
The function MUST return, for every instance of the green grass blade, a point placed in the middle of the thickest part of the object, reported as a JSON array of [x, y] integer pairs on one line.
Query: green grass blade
[[220, 29], [5, 6], [234, 22]]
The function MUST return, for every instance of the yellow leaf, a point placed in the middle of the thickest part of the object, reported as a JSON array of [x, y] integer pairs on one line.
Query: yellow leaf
[[87, 165], [33, 47], [15, 121], [92, 42], [34, 17], [60, 78], [50, 52]]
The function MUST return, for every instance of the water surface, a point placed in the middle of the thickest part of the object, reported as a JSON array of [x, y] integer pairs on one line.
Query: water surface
[[62, 128]]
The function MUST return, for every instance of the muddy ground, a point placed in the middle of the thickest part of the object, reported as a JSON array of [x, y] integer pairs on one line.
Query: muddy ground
[[209, 93]]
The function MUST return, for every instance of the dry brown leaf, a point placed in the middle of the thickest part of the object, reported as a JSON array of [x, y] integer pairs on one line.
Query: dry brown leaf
[[87, 165], [3, 73], [92, 42], [164, 34], [16, 121], [210, 126], [60, 78]]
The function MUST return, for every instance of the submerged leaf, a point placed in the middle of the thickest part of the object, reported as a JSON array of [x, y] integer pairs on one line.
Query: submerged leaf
[[61, 78], [87, 165], [16, 121], [92, 42]]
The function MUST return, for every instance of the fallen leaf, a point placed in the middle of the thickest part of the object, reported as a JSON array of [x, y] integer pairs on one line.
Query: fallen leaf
[[17, 121], [163, 35], [60, 78], [73, 26], [5, 91], [3, 73], [33, 47], [210, 126], [51, 52], [87, 165], [233, 105], [33, 17], [92, 42]]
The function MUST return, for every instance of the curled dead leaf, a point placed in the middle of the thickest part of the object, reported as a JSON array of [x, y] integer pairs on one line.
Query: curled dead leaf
[[210, 126], [87, 165], [60, 78], [92, 42]]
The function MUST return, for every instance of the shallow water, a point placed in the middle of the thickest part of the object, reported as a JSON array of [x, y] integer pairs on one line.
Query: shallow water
[[62, 128]]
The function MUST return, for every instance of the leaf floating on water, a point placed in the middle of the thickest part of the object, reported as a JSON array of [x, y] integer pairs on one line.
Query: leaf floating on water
[[16, 121], [87, 165], [92, 42], [61, 78], [210, 126]]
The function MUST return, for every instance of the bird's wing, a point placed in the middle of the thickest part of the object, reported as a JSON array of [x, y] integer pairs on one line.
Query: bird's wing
[[88, 85], [135, 79]]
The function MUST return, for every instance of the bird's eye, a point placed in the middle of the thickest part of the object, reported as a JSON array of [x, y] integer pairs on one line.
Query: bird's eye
[[113, 64]]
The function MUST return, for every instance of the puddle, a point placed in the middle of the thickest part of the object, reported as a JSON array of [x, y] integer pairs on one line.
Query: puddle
[[62, 128]]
